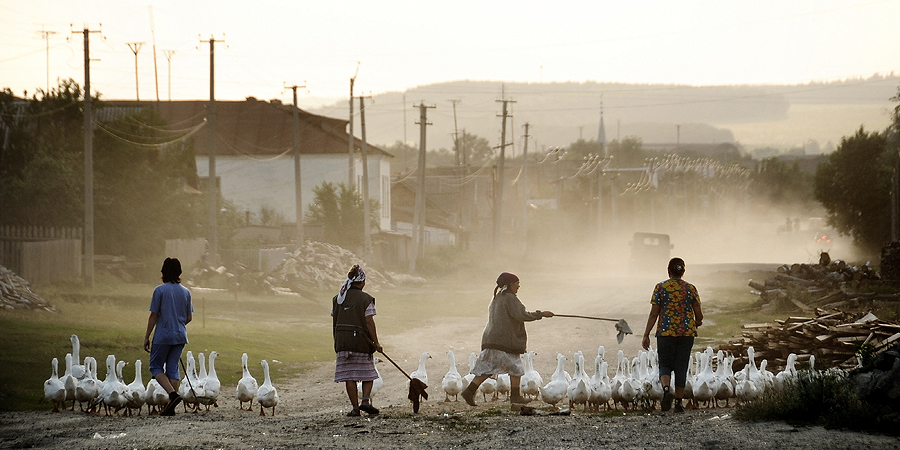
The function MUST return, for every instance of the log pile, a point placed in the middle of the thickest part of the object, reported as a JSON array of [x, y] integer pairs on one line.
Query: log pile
[[833, 336], [15, 293], [827, 285]]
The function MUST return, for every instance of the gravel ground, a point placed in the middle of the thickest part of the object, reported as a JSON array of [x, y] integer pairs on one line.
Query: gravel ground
[[311, 413]]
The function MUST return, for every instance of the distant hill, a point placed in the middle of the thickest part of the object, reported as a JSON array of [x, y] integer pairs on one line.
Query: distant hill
[[780, 116]]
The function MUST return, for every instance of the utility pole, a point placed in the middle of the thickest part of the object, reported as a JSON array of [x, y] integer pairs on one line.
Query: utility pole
[[153, 35], [135, 48], [88, 165], [212, 185], [367, 229], [298, 194], [459, 174], [169, 54], [455, 131], [351, 175], [525, 192], [46, 36], [419, 213], [498, 197]]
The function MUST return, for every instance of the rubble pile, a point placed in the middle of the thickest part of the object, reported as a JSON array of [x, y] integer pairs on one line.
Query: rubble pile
[[15, 293], [828, 284], [325, 266], [835, 337], [312, 266]]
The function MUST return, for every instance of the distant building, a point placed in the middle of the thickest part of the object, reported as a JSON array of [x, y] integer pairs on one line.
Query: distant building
[[254, 156]]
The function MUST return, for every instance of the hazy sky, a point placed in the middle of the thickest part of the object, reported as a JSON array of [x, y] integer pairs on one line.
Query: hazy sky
[[402, 44]]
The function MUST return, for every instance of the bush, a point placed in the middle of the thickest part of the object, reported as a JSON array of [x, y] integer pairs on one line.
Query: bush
[[820, 398]]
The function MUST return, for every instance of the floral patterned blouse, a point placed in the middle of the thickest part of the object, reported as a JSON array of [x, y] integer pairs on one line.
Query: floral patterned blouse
[[676, 317]]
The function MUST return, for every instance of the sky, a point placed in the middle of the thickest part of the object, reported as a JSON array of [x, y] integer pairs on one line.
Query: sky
[[264, 46]]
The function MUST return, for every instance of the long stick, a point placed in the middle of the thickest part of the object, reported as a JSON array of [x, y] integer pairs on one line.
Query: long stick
[[395, 365], [585, 317]]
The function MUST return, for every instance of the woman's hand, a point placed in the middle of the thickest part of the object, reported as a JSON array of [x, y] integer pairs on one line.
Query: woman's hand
[[645, 342]]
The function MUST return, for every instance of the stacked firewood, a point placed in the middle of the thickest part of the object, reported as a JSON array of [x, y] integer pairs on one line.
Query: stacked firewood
[[15, 293], [826, 285], [835, 337]]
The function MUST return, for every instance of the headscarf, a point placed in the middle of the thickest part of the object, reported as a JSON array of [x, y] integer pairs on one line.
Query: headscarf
[[360, 276], [503, 282]]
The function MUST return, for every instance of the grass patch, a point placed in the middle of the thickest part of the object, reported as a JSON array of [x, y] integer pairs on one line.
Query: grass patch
[[291, 332], [820, 398]]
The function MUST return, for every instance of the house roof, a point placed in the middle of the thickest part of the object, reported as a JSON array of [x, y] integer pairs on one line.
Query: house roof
[[254, 127]]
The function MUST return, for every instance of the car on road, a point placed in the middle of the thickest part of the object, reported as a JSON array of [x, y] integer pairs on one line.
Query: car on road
[[650, 252]]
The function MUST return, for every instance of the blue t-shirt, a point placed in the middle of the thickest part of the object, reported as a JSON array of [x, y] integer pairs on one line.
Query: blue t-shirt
[[172, 302]]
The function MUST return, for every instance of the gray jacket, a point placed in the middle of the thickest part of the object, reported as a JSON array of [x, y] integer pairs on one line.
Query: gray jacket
[[505, 329]]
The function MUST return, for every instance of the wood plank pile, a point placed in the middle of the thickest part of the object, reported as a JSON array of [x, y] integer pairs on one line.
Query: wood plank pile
[[15, 293], [829, 284], [833, 336]]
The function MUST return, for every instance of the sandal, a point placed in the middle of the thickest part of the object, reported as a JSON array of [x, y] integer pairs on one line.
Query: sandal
[[353, 413], [368, 408]]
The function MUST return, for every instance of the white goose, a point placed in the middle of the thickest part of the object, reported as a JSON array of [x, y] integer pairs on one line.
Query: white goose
[[488, 387], [120, 366], [469, 376], [531, 381], [601, 390], [503, 385], [618, 379], [189, 389], [376, 383], [211, 384], [88, 388], [155, 396], [724, 379], [54, 388], [420, 373], [767, 376], [579, 390], [789, 372], [113, 392], [78, 370], [69, 382], [266, 395], [628, 391], [247, 386], [689, 380], [555, 390], [746, 391], [704, 386], [652, 384], [753, 373], [453, 381], [136, 390]]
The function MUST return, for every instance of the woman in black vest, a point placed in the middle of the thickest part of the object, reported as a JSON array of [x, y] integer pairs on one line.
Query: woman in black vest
[[355, 339]]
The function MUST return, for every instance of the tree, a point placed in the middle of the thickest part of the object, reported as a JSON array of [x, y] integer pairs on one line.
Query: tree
[[854, 186], [339, 210], [140, 174], [779, 183]]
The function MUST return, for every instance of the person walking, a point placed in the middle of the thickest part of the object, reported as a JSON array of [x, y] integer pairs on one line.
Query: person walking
[[675, 310], [504, 339], [170, 312], [355, 340]]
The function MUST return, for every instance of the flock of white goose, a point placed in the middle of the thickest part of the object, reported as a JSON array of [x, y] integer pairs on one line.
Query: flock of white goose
[[199, 388], [710, 380], [635, 383]]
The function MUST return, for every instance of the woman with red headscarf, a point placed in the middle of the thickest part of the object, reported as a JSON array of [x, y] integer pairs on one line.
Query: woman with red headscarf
[[504, 339]]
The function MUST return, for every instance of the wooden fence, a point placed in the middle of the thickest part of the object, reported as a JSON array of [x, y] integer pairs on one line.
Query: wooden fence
[[41, 255]]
